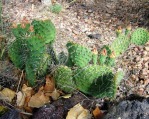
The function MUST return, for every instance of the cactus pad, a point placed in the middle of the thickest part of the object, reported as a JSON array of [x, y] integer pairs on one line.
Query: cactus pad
[[120, 45], [78, 55], [140, 36], [44, 29], [95, 80], [63, 78], [18, 52]]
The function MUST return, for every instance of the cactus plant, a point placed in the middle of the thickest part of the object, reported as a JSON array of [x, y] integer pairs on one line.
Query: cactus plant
[[18, 53], [63, 78], [44, 29], [120, 44], [95, 55], [96, 80], [29, 50], [37, 60], [22, 31], [79, 55], [140, 36], [56, 8], [106, 56]]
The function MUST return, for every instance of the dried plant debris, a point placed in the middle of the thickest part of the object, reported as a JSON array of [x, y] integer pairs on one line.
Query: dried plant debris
[[136, 62]]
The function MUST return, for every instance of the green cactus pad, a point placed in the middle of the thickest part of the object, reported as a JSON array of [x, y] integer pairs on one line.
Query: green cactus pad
[[18, 53], [63, 78], [38, 59], [120, 45], [140, 36], [22, 33], [95, 80], [110, 61], [79, 55], [44, 29]]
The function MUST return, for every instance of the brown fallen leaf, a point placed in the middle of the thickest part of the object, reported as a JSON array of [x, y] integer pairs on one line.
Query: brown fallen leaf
[[27, 90], [97, 113], [78, 112], [20, 98], [55, 94], [7, 94], [50, 85], [85, 114], [39, 99]]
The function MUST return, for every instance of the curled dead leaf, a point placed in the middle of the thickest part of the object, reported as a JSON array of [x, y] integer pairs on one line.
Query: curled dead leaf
[[27, 90], [55, 94], [97, 113], [7, 94], [39, 99], [20, 98], [50, 85], [78, 112]]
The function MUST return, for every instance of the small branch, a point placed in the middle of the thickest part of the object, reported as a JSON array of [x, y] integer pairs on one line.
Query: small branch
[[19, 81]]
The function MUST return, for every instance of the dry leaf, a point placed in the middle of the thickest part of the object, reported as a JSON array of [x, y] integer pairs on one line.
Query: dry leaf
[[66, 96], [39, 99], [97, 113], [27, 90], [85, 115], [78, 112], [7, 94], [20, 98], [55, 94], [50, 85]]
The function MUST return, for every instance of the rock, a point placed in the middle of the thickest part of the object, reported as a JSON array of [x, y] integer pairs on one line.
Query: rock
[[12, 114], [135, 109], [94, 36]]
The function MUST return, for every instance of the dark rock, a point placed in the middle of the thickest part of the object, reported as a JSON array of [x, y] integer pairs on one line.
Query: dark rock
[[135, 109], [94, 36], [12, 114]]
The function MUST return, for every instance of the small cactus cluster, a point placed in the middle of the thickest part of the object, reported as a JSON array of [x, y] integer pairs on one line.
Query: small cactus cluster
[[56, 8], [89, 71], [106, 56], [29, 51], [139, 36], [83, 71]]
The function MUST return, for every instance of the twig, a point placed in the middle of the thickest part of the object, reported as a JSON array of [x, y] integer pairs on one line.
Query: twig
[[20, 81]]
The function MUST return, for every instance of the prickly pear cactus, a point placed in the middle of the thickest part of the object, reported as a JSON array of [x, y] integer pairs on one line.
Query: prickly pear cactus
[[29, 50], [37, 61], [120, 44], [140, 36], [95, 80], [18, 53], [106, 56], [36, 66], [23, 30], [44, 29], [110, 61], [95, 55], [63, 78], [79, 55]]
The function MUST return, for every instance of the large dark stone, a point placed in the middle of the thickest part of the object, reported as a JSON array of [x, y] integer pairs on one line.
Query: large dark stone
[[134, 109], [12, 114]]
